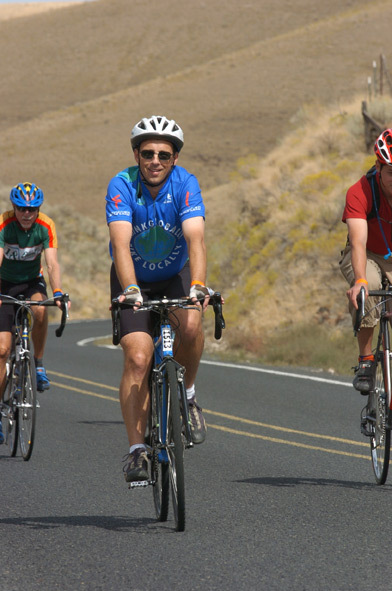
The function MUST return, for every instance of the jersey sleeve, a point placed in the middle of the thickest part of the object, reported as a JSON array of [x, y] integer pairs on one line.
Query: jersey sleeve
[[118, 206], [3, 222], [191, 200], [49, 234], [358, 201]]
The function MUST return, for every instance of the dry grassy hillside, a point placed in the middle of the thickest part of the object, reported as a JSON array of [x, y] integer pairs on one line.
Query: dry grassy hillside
[[277, 261], [234, 75]]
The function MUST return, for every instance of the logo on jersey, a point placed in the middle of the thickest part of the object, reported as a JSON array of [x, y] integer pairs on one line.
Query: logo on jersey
[[14, 252], [154, 244], [116, 200]]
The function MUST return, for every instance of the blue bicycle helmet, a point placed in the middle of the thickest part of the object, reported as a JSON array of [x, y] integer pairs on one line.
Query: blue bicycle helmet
[[26, 195]]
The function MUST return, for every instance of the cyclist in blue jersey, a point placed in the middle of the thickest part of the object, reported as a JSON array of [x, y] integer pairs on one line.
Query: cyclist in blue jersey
[[155, 214]]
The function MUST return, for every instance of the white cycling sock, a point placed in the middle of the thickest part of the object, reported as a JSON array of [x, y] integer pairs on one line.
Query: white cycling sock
[[190, 392], [133, 447]]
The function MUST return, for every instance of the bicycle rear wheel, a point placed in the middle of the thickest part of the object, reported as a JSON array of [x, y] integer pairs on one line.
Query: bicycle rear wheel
[[159, 462], [27, 408], [10, 415], [175, 448], [380, 441]]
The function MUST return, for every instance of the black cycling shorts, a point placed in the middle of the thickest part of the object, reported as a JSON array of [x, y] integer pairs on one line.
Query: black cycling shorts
[[28, 289], [131, 321]]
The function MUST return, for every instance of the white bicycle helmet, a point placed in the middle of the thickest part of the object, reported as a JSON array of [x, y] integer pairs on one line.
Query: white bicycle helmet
[[158, 127]]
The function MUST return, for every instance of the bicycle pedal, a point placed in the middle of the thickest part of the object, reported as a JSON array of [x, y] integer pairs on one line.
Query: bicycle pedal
[[365, 431], [140, 484]]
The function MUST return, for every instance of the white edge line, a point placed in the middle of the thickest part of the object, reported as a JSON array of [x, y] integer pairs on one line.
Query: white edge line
[[85, 342], [278, 373]]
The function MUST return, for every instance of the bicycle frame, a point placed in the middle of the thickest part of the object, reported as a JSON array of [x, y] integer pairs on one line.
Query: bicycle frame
[[169, 425], [376, 415], [163, 351], [19, 400], [383, 338]]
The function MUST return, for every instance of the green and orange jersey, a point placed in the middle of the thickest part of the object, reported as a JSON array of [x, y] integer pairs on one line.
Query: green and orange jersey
[[23, 248]]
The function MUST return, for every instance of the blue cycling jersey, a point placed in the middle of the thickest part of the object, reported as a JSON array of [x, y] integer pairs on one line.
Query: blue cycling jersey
[[158, 247]]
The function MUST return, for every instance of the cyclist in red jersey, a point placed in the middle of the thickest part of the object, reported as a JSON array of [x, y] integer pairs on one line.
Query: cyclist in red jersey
[[368, 253]]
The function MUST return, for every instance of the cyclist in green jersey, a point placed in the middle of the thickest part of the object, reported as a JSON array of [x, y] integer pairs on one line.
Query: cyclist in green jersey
[[25, 232]]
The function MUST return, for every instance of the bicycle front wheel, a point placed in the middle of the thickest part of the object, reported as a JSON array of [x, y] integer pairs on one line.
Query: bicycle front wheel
[[159, 462], [9, 415], [27, 408], [175, 448], [380, 441]]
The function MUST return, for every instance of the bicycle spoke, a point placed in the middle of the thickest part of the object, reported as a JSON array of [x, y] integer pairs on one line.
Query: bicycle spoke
[[9, 415], [159, 465], [380, 440], [27, 409], [175, 449]]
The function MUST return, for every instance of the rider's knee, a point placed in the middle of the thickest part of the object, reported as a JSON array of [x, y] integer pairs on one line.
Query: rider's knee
[[190, 331], [138, 360], [4, 353]]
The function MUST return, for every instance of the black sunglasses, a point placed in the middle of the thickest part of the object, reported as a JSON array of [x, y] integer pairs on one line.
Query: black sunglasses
[[149, 155], [23, 209]]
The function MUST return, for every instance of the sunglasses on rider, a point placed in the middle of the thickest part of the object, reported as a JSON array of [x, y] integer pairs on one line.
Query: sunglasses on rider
[[149, 155], [24, 209]]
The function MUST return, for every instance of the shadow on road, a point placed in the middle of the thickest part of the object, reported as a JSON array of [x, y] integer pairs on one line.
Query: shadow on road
[[100, 423], [106, 522], [302, 481]]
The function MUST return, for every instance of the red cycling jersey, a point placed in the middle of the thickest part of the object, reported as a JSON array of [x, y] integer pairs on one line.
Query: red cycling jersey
[[359, 204]]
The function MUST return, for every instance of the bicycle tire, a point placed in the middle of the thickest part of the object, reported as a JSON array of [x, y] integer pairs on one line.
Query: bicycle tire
[[159, 464], [10, 415], [175, 448], [27, 408], [380, 441]]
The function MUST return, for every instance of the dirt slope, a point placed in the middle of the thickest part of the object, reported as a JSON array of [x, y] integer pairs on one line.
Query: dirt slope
[[232, 74]]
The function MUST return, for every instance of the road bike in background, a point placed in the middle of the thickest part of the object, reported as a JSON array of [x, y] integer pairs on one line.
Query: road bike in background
[[169, 426], [19, 401], [376, 416]]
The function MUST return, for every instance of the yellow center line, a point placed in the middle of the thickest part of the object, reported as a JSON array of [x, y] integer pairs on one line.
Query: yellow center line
[[293, 443], [224, 416], [285, 429], [63, 375], [86, 392]]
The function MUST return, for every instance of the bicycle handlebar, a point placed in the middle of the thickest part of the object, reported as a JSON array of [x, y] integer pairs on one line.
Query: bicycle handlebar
[[215, 301], [361, 298], [21, 302], [360, 310]]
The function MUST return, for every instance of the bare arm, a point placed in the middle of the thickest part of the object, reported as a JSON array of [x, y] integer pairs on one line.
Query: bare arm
[[53, 267], [193, 229], [120, 236], [358, 233]]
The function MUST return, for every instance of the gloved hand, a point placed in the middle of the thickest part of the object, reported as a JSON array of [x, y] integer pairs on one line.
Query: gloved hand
[[57, 294], [132, 295], [200, 292]]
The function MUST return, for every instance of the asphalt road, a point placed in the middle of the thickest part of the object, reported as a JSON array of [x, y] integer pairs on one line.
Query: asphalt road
[[281, 496]]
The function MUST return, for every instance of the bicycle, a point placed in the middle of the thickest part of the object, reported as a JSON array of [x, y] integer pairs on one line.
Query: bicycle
[[19, 400], [168, 431], [376, 416]]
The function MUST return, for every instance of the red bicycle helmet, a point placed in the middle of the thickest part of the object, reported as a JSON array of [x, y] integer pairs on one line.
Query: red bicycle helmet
[[383, 147]]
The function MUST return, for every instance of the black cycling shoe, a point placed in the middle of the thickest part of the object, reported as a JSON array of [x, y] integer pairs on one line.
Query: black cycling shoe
[[364, 377]]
